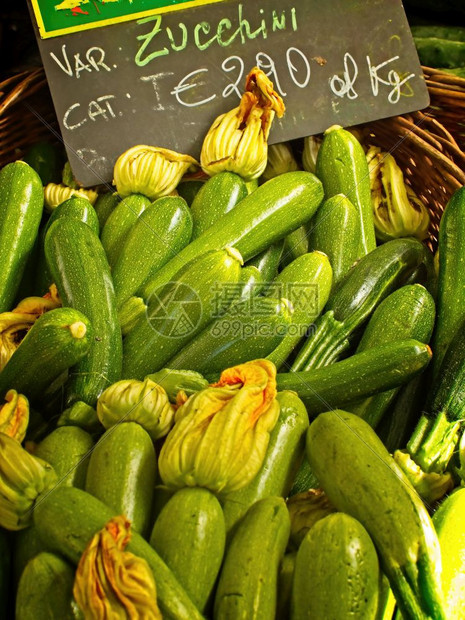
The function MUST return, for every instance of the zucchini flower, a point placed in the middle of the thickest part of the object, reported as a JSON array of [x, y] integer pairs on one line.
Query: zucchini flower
[[280, 160], [55, 194], [431, 486], [397, 210], [221, 433], [23, 478], [150, 171], [14, 325], [111, 582], [14, 415], [237, 140], [311, 147], [305, 509], [144, 402]]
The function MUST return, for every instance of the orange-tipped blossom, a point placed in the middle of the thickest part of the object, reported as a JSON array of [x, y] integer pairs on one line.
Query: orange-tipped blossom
[[14, 415], [221, 433]]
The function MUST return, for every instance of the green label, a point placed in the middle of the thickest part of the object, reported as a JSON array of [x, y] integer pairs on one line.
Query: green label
[[58, 18]]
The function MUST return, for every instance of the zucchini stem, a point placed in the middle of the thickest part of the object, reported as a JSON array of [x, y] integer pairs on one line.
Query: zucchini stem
[[433, 442]]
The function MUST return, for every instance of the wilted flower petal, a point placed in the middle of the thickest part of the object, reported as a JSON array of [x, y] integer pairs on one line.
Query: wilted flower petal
[[237, 140], [221, 433], [55, 194], [14, 415], [144, 402], [112, 583], [430, 486], [280, 160], [397, 211], [150, 170], [23, 478], [305, 509]]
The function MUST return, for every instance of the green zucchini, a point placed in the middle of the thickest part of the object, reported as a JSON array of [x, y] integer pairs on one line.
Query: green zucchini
[[359, 376], [57, 341], [67, 449], [67, 520], [83, 416], [336, 572], [361, 478], [119, 223], [45, 589], [349, 306], [251, 282], [283, 456], [247, 588], [122, 471], [46, 160], [295, 245], [440, 52], [265, 216], [188, 189], [75, 207], [217, 196], [285, 579], [173, 381], [267, 262], [189, 535], [406, 313], [450, 526], [79, 268], [435, 437], [166, 329], [426, 31], [27, 544], [250, 329], [21, 207], [105, 205], [306, 283], [342, 167], [451, 279], [335, 230], [158, 234]]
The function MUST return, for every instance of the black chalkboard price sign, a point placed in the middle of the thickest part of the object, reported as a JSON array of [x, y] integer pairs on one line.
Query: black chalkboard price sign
[[160, 76]]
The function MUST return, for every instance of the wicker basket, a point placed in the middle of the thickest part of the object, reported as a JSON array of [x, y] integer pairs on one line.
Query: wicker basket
[[430, 156]]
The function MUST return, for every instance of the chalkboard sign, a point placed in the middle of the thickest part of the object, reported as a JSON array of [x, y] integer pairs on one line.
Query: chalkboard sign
[[163, 78]]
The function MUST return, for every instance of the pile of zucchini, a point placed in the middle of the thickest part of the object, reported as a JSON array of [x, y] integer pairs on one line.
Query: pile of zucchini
[[346, 517]]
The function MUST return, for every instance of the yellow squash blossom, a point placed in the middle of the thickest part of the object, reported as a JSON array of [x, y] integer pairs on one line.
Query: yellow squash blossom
[[238, 140], [112, 583], [14, 415], [221, 433]]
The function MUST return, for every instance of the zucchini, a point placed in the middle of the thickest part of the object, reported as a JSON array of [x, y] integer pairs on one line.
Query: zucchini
[[283, 456], [451, 278], [359, 376], [189, 535], [121, 473], [56, 341], [105, 205], [188, 189], [45, 589], [440, 52], [178, 311], [158, 234], [285, 579], [27, 544], [336, 572], [251, 282], [450, 526], [69, 518], [265, 216], [435, 437], [342, 167], [306, 282], [21, 207], [349, 306], [406, 313], [267, 262], [66, 449], [251, 329], [119, 223], [335, 230], [295, 245], [361, 478], [247, 588], [79, 268], [75, 207], [46, 160], [217, 196]]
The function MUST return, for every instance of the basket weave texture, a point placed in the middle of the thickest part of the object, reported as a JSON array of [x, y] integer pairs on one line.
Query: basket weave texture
[[427, 145]]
